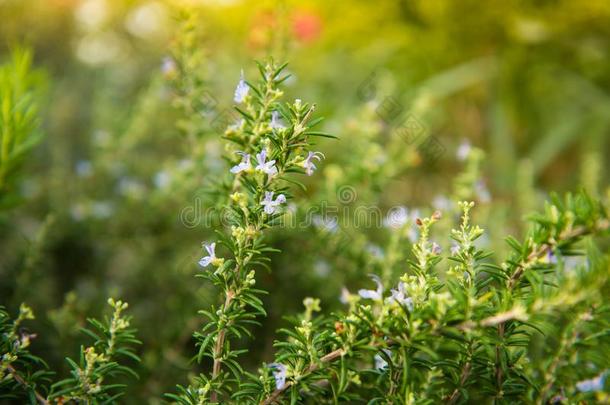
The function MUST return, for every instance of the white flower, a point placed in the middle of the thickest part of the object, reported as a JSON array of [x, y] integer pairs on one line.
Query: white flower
[[308, 162], [279, 373], [236, 126], [463, 150], [211, 257], [321, 268], [400, 296], [412, 234], [241, 91], [263, 165], [593, 384], [345, 296], [275, 121], [162, 179], [102, 209], [270, 205], [373, 294], [442, 203], [243, 165]]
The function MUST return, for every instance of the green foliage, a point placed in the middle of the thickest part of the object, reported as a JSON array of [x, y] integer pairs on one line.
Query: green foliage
[[255, 197], [20, 371], [468, 334], [458, 331], [137, 172], [99, 362], [26, 376], [20, 88]]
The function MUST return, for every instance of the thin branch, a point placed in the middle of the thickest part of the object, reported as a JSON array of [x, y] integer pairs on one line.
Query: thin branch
[[463, 377], [219, 346], [41, 399]]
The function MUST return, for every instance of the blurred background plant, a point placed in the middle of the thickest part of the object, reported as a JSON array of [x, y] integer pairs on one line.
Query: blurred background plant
[[515, 97]]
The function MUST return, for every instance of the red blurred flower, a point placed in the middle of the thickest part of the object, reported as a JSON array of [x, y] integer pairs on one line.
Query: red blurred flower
[[306, 26]]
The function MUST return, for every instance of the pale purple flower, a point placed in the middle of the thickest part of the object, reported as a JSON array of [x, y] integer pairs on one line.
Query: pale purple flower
[[272, 205], [308, 162], [550, 257], [211, 249], [373, 294], [397, 217], [330, 224], [263, 165], [168, 65], [482, 192], [279, 373], [242, 89], [436, 249], [399, 296], [455, 249], [440, 202], [571, 263], [243, 165], [592, 385], [275, 121], [84, 168], [375, 251], [463, 150]]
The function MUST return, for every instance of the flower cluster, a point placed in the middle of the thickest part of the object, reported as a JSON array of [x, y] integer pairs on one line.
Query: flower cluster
[[453, 338]]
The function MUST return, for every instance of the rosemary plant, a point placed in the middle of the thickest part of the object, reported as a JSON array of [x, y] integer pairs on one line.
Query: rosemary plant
[[451, 332], [270, 141], [461, 336], [458, 325], [26, 376]]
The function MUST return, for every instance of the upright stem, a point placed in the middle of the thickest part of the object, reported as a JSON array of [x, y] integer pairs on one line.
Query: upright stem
[[219, 346], [463, 377]]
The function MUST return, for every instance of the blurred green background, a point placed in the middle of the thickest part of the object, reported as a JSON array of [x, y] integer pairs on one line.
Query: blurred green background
[[111, 203]]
